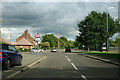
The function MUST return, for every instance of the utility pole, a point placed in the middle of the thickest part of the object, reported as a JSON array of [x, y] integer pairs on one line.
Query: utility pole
[[107, 22], [107, 26], [34, 39], [10, 38], [58, 40], [34, 32]]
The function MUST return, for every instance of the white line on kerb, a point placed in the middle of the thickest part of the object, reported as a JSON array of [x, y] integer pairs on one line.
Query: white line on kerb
[[36, 62], [84, 77], [74, 66], [25, 68]]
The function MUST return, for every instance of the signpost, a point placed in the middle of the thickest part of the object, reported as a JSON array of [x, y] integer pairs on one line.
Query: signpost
[[37, 37]]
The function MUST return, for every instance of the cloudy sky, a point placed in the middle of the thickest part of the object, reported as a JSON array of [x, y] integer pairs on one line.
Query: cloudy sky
[[48, 17]]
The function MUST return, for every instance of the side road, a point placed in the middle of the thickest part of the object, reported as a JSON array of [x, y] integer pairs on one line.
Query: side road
[[29, 59]]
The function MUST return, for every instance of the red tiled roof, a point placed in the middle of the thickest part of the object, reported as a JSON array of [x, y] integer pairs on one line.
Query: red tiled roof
[[23, 41], [3, 40]]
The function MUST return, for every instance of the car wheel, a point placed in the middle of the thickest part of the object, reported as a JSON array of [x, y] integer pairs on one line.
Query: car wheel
[[8, 65]]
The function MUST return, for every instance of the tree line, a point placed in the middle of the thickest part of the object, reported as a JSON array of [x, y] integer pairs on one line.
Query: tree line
[[51, 41]]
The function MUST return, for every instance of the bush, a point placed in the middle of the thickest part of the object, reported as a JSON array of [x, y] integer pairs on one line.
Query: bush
[[26, 50], [20, 49]]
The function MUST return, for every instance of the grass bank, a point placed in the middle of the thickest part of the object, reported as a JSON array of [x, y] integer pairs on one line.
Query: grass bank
[[105, 54]]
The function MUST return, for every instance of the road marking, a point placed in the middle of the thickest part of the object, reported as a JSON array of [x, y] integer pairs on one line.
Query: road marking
[[66, 56], [36, 62], [74, 66], [84, 77], [7, 70], [68, 59], [13, 74], [25, 68]]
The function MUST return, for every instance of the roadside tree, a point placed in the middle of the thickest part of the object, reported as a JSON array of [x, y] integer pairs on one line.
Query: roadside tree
[[93, 29]]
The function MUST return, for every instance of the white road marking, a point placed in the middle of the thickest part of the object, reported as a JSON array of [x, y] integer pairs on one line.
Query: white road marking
[[74, 66], [68, 59], [13, 74], [84, 77], [36, 62], [7, 70], [66, 56]]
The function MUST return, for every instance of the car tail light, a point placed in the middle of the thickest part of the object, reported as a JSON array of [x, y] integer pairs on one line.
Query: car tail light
[[1, 55]]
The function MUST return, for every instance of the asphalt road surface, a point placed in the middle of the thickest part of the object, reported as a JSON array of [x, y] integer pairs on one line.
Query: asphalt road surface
[[70, 65]]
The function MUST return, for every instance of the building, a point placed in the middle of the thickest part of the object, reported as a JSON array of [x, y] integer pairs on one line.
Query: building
[[25, 41]]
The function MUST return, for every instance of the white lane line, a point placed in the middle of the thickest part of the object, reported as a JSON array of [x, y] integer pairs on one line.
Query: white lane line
[[74, 66], [84, 77], [68, 59], [66, 56]]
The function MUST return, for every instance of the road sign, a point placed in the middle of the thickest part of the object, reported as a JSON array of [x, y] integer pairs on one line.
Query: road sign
[[37, 36]]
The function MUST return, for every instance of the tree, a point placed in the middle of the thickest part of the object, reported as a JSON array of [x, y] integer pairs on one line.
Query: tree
[[71, 43], [116, 43], [62, 44], [45, 44], [53, 40], [93, 29], [63, 38]]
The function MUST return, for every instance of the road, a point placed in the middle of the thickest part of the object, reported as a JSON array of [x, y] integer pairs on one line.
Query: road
[[70, 65]]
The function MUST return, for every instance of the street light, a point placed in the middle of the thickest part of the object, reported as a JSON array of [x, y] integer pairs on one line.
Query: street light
[[107, 22]]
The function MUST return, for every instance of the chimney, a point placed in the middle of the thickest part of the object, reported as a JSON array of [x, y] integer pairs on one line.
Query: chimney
[[26, 31]]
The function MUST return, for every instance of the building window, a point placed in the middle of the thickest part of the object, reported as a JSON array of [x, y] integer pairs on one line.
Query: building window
[[21, 46]]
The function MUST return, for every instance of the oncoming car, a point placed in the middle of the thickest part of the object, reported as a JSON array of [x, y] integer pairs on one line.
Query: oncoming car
[[35, 50], [9, 56], [53, 50]]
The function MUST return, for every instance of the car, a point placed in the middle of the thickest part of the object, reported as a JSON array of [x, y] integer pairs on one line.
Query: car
[[53, 50], [67, 49], [9, 56], [35, 50]]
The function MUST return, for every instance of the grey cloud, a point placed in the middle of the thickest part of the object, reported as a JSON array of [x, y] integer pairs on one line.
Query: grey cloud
[[50, 17]]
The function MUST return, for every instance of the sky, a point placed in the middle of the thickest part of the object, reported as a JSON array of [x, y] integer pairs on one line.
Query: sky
[[59, 18]]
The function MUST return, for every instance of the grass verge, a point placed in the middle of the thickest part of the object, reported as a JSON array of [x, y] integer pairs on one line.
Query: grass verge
[[105, 54]]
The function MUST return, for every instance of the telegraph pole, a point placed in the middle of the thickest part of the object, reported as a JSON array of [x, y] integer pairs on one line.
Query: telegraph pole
[[107, 26], [10, 38], [58, 40]]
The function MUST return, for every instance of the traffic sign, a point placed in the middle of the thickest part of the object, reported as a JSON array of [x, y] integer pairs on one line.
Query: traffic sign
[[37, 36]]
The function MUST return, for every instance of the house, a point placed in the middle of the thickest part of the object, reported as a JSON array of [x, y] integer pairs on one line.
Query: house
[[25, 41]]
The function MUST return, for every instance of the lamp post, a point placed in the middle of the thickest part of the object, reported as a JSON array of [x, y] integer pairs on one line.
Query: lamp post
[[107, 22]]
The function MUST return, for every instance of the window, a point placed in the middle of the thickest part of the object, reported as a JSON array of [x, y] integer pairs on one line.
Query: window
[[11, 48]]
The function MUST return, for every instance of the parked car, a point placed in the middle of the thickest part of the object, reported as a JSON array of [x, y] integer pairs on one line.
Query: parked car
[[53, 50], [9, 56], [67, 49], [35, 50]]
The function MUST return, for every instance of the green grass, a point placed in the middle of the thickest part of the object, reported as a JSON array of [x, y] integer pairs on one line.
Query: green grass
[[106, 54]]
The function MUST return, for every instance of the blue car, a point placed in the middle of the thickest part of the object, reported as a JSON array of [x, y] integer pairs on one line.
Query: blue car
[[9, 56]]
